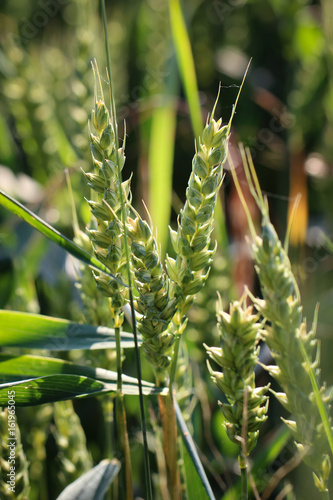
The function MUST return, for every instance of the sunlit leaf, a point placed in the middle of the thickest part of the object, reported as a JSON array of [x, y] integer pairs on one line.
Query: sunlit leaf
[[24, 213], [34, 331], [53, 388]]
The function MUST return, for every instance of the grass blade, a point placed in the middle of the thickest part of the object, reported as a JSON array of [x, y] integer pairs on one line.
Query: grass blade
[[14, 368], [35, 331], [51, 388], [161, 150], [186, 64], [93, 484], [24, 213], [193, 454]]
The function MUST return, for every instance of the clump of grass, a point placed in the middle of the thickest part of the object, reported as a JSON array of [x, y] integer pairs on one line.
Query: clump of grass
[[295, 350]]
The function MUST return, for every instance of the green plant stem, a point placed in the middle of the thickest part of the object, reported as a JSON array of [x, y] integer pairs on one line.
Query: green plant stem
[[124, 445], [169, 427], [325, 495], [137, 353], [107, 405], [118, 355], [243, 469]]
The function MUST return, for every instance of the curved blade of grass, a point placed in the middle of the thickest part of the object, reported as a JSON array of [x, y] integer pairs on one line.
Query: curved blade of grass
[[34, 331], [51, 388], [161, 150], [24, 213], [93, 484], [193, 454], [14, 368], [186, 64]]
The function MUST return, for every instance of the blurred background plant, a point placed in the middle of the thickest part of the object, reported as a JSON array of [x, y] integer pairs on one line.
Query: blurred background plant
[[285, 117]]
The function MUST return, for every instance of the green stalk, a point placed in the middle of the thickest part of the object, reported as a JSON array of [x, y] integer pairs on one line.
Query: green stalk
[[243, 469], [118, 354], [137, 353]]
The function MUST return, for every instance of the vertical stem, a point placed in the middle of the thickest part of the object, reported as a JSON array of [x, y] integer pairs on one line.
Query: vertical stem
[[243, 469], [107, 406], [124, 445], [118, 357], [169, 426]]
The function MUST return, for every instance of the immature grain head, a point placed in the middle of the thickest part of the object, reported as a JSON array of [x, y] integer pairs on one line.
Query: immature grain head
[[237, 356], [190, 269], [108, 236], [295, 351]]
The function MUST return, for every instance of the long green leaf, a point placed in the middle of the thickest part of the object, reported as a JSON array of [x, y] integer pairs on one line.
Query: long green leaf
[[186, 64], [195, 488], [196, 471], [14, 368], [93, 484], [51, 388], [161, 151], [24, 213], [34, 331]]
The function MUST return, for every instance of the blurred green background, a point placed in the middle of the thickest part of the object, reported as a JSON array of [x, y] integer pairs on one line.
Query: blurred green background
[[285, 117]]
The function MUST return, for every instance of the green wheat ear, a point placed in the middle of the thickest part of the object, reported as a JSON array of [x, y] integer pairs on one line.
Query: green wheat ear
[[295, 351], [237, 356], [154, 304], [108, 236]]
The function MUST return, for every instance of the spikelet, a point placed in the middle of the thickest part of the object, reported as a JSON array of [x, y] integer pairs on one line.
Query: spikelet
[[239, 353], [108, 237], [191, 241], [154, 303], [12, 458], [295, 350]]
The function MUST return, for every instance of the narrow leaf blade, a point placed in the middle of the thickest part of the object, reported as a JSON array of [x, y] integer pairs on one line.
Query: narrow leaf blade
[[186, 64], [24, 213], [195, 472], [161, 152], [34, 331], [93, 484], [37, 391], [14, 368]]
